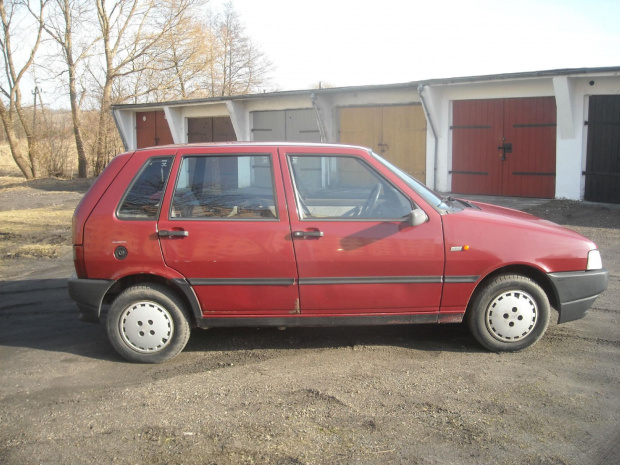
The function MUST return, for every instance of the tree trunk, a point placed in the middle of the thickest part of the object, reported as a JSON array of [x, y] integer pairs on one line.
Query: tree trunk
[[16, 152], [67, 44], [33, 155], [79, 142], [31, 139], [21, 161], [100, 158]]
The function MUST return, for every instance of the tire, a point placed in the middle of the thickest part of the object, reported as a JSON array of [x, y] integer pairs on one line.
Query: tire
[[148, 324], [509, 313]]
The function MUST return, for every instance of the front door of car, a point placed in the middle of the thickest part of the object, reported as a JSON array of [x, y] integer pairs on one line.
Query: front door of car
[[224, 226], [355, 252]]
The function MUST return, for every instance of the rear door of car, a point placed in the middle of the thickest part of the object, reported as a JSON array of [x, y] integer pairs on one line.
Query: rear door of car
[[355, 252], [224, 226]]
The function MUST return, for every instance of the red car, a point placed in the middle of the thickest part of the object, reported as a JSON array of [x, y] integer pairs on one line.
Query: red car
[[310, 235]]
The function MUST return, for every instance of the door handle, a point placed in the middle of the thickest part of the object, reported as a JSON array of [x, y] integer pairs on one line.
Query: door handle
[[504, 149], [165, 233], [300, 234]]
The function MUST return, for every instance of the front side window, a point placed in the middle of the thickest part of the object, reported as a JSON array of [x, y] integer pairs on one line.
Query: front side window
[[143, 198], [421, 189], [224, 187], [341, 187]]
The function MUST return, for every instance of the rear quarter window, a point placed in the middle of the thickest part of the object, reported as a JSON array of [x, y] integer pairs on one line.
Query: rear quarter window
[[142, 200]]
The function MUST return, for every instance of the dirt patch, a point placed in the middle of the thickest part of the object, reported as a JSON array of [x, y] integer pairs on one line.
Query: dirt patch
[[35, 223], [395, 395], [574, 213]]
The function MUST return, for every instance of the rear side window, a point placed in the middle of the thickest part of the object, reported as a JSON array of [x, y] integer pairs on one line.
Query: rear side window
[[225, 187], [143, 198]]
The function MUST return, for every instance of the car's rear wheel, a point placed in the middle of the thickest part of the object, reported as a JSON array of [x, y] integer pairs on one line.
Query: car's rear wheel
[[148, 324], [509, 313]]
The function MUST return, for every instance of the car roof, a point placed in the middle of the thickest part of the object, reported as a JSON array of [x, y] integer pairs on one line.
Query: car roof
[[252, 144]]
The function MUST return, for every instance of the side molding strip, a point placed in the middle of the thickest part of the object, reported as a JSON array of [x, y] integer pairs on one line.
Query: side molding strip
[[461, 279], [373, 280], [242, 281], [330, 281]]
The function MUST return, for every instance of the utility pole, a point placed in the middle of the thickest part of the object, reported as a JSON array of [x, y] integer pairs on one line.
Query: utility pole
[[34, 113]]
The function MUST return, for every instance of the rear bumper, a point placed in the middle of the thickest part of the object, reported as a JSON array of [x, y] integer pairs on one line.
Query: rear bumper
[[577, 291], [88, 294]]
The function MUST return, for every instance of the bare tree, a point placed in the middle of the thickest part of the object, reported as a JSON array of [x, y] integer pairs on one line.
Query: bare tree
[[69, 14], [238, 65], [12, 112], [176, 65], [57, 143], [114, 51], [187, 59], [208, 57], [129, 30]]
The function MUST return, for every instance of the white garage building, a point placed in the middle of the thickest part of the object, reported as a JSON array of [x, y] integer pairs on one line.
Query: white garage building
[[548, 134]]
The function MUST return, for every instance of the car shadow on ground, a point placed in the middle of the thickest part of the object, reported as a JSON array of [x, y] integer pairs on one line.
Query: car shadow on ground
[[423, 337], [38, 314]]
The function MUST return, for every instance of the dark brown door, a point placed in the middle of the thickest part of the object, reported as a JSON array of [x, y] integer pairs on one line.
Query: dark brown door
[[223, 130], [199, 130], [504, 147], [603, 155], [217, 129]]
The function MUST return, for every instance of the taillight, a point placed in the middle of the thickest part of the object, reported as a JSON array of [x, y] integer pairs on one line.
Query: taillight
[[78, 261]]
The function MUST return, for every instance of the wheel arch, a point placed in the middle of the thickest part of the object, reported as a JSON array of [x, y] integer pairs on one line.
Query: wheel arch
[[536, 275], [179, 286]]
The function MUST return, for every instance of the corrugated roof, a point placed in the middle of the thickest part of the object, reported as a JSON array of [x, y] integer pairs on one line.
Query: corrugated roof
[[613, 70]]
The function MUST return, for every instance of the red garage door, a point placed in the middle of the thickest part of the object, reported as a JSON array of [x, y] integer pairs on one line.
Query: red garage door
[[504, 147]]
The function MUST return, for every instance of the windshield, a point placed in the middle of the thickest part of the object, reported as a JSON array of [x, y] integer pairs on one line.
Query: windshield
[[428, 195]]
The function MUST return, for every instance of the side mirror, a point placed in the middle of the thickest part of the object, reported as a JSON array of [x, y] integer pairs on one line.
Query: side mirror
[[416, 217]]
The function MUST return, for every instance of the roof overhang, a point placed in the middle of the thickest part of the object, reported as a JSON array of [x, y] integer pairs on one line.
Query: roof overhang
[[572, 72]]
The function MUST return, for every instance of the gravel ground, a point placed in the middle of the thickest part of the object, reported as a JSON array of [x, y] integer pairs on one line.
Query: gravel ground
[[394, 395]]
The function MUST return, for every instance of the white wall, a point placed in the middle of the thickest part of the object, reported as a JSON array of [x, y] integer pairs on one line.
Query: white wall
[[571, 93], [602, 85]]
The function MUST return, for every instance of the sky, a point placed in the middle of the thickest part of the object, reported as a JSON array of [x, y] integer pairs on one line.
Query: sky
[[366, 42]]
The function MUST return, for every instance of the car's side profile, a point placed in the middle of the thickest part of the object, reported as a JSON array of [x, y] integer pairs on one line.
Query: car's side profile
[[296, 234]]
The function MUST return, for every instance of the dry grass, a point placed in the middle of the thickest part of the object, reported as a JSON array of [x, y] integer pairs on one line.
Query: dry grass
[[35, 223], [38, 251], [36, 220], [35, 233]]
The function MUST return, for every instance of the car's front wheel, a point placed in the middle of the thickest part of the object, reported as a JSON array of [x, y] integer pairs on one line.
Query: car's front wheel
[[148, 324], [509, 313]]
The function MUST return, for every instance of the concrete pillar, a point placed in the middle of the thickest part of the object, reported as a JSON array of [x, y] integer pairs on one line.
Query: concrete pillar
[[176, 123], [324, 107], [240, 117]]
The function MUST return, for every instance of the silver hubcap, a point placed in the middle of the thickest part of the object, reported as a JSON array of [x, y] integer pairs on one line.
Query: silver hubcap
[[146, 327], [511, 316]]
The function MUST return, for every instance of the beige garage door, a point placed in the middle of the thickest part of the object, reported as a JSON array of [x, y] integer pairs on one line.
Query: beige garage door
[[398, 133]]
